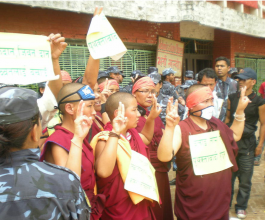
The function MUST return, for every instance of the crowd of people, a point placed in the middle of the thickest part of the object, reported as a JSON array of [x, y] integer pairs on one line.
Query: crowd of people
[[65, 151]]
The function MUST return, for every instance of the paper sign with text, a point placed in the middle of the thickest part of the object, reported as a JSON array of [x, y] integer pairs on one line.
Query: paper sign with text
[[102, 40], [208, 153], [25, 59], [141, 177], [169, 55]]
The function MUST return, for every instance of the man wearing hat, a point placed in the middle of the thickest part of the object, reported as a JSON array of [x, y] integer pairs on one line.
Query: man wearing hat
[[188, 77], [152, 69], [167, 91], [134, 75], [247, 144], [156, 78], [115, 73]]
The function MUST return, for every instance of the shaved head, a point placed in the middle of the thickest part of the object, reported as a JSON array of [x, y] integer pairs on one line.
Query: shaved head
[[67, 90], [113, 102], [193, 88]]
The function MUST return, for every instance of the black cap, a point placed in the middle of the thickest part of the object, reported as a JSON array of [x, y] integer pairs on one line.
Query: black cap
[[155, 76], [17, 104], [247, 73], [189, 74], [114, 69], [102, 74], [232, 70], [42, 85], [188, 83], [152, 69], [136, 72]]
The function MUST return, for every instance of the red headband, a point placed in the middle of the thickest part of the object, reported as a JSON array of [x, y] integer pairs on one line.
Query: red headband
[[143, 82], [111, 82], [65, 76], [198, 96]]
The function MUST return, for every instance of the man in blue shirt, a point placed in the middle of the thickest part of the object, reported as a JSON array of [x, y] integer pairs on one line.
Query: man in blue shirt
[[225, 85]]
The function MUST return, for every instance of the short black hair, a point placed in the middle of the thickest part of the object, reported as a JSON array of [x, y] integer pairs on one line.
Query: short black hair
[[103, 79], [224, 59], [208, 73], [13, 136]]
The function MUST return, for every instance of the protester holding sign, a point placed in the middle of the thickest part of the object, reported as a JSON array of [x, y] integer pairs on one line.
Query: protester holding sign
[[144, 91], [200, 197], [113, 150]]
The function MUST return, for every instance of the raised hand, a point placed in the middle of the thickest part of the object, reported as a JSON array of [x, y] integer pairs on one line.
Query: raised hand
[[243, 100], [98, 10], [172, 117], [58, 45], [105, 93], [119, 123], [156, 109], [82, 122]]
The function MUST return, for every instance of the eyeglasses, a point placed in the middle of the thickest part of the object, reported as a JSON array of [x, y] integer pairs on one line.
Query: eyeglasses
[[147, 92]]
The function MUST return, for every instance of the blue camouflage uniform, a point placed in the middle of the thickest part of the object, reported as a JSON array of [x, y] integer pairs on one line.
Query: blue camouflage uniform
[[30, 189], [128, 87], [167, 91]]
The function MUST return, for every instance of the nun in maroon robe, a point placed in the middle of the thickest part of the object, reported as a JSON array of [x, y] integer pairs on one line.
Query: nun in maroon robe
[[119, 205], [164, 210], [207, 196], [62, 137]]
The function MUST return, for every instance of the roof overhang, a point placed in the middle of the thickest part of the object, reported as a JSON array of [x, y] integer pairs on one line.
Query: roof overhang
[[168, 11]]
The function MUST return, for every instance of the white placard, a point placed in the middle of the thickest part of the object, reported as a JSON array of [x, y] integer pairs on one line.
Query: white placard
[[141, 177], [208, 153], [25, 59], [102, 40]]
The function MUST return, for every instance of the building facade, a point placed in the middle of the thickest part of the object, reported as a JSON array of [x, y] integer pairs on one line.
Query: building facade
[[209, 29]]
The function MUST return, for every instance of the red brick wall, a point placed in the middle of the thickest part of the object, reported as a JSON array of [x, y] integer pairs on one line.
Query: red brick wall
[[221, 44], [228, 43], [28, 20]]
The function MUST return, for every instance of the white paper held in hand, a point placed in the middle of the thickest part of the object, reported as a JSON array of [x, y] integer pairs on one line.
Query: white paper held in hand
[[25, 59], [102, 40]]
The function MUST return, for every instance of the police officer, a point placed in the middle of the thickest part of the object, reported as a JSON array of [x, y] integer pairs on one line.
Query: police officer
[[167, 90], [40, 190], [134, 75], [115, 73], [188, 77]]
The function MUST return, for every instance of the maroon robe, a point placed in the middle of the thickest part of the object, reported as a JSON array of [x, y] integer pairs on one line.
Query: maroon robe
[[119, 205], [208, 196], [62, 137], [95, 128], [163, 211]]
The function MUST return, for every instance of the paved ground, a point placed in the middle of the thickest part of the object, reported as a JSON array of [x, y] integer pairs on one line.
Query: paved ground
[[256, 205]]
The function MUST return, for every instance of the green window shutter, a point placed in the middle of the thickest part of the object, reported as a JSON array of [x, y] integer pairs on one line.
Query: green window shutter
[[260, 72], [143, 59], [74, 60]]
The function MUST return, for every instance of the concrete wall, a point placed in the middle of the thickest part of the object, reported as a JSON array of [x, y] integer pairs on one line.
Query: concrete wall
[[28, 20]]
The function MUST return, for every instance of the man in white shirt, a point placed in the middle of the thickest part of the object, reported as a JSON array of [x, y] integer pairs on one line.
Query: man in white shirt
[[209, 78]]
